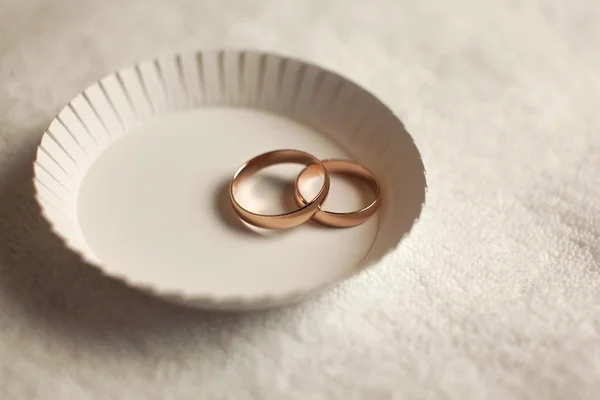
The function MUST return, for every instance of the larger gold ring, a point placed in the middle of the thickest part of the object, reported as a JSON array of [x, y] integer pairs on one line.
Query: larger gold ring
[[335, 219], [279, 221]]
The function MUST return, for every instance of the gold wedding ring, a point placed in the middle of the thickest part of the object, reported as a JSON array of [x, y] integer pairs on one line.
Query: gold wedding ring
[[279, 221], [346, 219]]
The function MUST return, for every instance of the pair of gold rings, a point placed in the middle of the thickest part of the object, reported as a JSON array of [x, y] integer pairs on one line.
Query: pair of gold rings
[[307, 208]]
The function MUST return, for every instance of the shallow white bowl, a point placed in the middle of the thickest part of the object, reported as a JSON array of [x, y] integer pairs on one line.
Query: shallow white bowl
[[132, 175]]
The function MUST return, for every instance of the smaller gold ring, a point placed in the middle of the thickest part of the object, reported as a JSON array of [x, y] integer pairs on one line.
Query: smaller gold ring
[[279, 221], [346, 219]]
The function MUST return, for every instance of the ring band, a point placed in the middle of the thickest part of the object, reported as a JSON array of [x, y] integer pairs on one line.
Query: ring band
[[347, 219], [279, 221]]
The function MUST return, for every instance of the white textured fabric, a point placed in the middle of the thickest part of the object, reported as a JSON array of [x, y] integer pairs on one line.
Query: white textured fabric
[[494, 295]]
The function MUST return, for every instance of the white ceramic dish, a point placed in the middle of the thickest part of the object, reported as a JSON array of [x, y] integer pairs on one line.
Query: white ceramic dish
[[132, 175]]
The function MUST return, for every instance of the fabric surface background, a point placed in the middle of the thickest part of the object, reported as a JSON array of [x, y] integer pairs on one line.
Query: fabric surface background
[[495, 293]]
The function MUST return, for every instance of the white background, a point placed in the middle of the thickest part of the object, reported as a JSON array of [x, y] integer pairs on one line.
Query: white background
[[494, 295]]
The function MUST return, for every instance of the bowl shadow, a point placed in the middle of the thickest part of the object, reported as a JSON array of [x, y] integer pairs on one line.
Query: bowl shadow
[[56, 288]]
